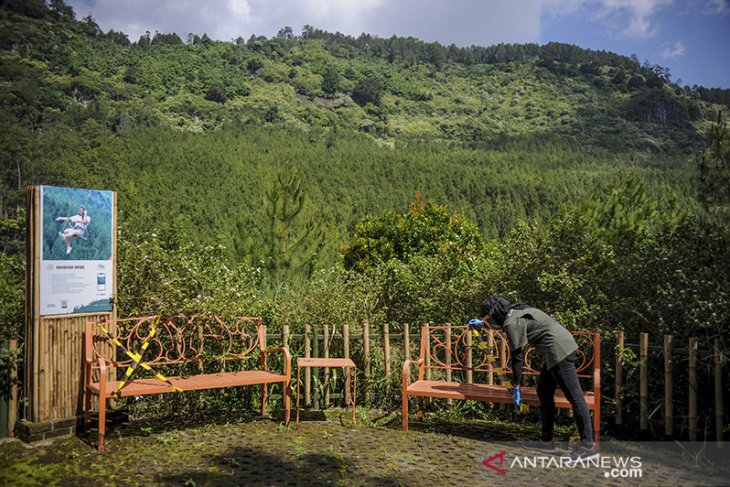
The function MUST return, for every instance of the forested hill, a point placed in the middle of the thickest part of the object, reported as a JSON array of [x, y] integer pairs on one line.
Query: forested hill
[[196, 132], [396, 88]]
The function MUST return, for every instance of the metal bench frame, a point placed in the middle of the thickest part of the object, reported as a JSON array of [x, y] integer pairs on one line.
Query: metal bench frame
[[179, 340], [450, 348]]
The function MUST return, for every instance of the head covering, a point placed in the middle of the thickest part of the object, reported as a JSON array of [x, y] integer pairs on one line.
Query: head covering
[[497, 307]]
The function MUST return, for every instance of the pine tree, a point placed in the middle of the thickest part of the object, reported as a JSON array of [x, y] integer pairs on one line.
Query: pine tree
[[714, 171], [292, 246]]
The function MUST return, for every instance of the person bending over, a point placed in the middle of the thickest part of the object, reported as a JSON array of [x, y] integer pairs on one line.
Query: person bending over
[[524, 325]]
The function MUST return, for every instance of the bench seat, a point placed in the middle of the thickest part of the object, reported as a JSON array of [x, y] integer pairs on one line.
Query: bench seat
[[485, 392], [142, 387]]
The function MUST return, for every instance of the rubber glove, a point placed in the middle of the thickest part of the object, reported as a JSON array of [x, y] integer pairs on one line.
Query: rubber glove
[[476, 323], [516, 396]]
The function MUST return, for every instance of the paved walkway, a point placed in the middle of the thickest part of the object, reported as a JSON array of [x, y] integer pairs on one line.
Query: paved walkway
[[326, 452]]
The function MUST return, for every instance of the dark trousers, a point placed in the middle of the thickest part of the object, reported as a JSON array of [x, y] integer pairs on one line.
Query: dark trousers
[[564, 375]]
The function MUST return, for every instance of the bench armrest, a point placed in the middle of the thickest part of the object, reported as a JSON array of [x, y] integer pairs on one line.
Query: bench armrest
[[102, 377], [287, 358], [407, 370]]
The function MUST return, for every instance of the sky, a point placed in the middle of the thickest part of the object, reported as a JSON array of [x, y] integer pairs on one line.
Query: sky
[[690, 37]]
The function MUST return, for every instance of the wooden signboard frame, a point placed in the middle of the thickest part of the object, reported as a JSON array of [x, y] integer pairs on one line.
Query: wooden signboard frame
[[53, 379]]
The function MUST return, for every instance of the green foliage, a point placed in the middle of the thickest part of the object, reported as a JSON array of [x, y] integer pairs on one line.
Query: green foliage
[[159, 274], [713, 166], [558, 269], [369, 90], [12, 276], [426, 229], [217, 93], [423, 262], [331, 81], [627, 260], [628, 211]]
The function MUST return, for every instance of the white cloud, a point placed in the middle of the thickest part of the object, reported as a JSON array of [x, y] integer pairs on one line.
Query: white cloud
[[240, 8], [717, 6], [639, 15], [674, 50], [629, 18], [462, 22]]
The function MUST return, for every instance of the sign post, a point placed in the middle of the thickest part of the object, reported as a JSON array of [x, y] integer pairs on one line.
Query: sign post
[[70, 278]]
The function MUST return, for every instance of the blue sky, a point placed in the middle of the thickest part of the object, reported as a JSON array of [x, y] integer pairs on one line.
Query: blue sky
[[690, 37]]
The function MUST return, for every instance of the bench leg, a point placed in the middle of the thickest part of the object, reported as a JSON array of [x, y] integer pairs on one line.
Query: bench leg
[[287, 402], [405, 412], [298, 396], [263, 399], [102, 422], [87, 409], [596, 425], [420, 409]]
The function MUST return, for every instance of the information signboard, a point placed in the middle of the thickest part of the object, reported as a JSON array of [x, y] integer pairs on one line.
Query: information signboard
[[76, 246]]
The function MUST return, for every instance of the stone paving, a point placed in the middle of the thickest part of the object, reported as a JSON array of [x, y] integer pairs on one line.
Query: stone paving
[[325, 451]]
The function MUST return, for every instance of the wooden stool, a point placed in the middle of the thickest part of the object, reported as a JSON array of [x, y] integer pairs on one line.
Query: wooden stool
[[344, 363]]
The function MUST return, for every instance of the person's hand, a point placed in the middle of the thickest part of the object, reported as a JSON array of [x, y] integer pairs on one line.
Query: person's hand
[[516, 396], [475, 323]]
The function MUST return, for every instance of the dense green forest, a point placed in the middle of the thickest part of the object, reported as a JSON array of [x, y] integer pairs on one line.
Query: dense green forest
[[183, 129], [324, 178]]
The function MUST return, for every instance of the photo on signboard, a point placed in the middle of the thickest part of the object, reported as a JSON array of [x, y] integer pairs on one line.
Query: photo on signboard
[[77, 224]]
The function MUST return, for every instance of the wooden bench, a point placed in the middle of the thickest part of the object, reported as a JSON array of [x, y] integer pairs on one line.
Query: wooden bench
[[449, 351], [197, 352]]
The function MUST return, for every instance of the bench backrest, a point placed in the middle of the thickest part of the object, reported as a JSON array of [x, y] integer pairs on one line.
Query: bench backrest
[[177, 340], [453, 348]]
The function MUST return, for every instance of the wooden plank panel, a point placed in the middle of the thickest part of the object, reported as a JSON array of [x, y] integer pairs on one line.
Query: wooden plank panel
[[61, 361]]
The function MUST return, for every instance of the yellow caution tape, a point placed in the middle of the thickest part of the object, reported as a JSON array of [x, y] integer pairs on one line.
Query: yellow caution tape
[[137, 359]]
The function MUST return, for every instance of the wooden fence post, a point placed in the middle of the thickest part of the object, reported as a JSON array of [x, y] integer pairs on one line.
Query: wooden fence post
[[643, 381], [264, 389], [315, 370], [285, 336], [346, 354], [386, 353], [406, 342], [428, 353], [619, 377], [448, 358], [668, 386], [13, 399], [469, 359], [718, 393], [326, 338], [692, 419], [490, 345], [307, 370], [366, 357]]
